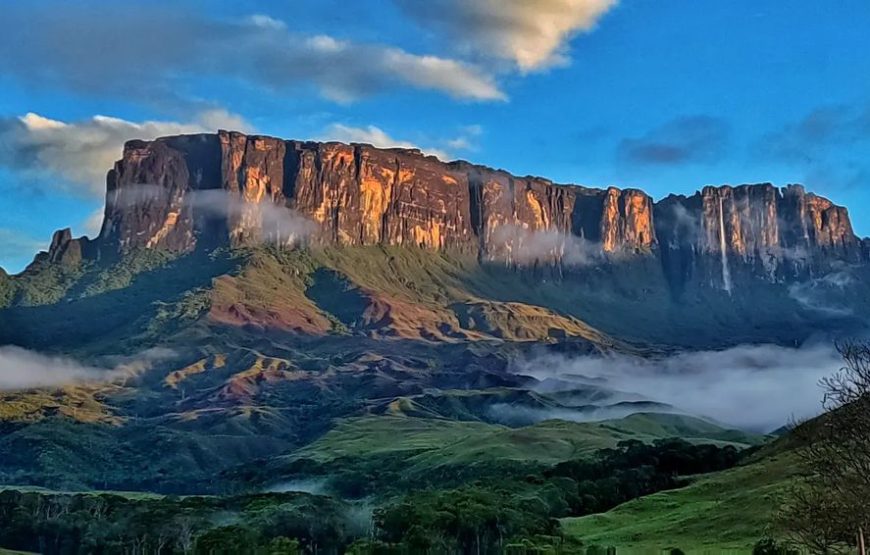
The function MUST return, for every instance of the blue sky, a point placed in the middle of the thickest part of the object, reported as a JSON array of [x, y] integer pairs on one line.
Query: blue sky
[[663, 95]]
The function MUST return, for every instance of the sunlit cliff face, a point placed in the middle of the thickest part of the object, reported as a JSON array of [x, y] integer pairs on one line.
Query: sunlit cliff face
[[332, 193]]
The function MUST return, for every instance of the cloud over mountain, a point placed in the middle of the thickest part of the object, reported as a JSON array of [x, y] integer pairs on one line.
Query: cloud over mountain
[[755, 387], [76, 155]]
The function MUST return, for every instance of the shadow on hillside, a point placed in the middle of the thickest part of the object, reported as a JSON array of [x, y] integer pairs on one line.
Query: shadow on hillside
[[112, 316]]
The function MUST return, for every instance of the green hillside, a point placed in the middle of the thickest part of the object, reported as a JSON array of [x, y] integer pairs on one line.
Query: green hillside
[[730, 510], [148, 297], [436, 441]]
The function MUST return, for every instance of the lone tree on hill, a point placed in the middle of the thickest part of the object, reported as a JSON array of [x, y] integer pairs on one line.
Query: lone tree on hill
[[830, 510]]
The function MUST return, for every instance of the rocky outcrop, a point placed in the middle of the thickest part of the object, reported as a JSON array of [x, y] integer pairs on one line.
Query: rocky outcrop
[[202, 190], [64, 251]]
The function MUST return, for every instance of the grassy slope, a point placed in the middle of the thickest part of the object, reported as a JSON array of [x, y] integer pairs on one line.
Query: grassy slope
[[434, 442], [730, 510], [393, 291]]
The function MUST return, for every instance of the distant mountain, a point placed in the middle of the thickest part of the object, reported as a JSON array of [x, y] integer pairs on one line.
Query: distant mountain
[[161, 195], [394, 243], [286, 284]]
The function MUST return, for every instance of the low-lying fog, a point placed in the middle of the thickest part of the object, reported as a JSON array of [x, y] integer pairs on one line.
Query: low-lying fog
[[24, 369], [753, 387]]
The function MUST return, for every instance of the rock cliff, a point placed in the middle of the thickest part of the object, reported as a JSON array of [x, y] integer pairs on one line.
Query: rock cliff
[[355, 194], [200, 190], [722, 233]]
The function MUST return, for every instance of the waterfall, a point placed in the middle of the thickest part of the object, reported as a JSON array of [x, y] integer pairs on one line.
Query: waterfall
[[726, 271]]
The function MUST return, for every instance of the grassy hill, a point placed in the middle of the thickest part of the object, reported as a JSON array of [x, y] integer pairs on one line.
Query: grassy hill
[[434, 442], [389, 292], [384, 369], [727, 511]]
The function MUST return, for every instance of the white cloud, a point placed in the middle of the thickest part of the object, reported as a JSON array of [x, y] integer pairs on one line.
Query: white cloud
[[533, 35], [271, 222], [78, 154], [466, 140], [256, 221], [154, 55], [755, 387], [266, 22], [431, 72], [374, 136], [23, 369], [525, 246], [828, 295]]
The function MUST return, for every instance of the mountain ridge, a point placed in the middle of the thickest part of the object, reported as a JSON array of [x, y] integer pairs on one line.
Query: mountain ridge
[[182, 192], [390, 243]]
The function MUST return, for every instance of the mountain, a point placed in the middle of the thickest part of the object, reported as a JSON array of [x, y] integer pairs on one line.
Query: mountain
[[360, 195], [393, 242], [259, 314]]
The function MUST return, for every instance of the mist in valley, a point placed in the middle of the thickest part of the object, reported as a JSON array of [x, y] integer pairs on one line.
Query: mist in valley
[[753, 387], [22, 369]]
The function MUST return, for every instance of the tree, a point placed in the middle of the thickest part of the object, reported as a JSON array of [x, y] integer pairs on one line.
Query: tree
[[283, 546], [226, 540], [826, 511]]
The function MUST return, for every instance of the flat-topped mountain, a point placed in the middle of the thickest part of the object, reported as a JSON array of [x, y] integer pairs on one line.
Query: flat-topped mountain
[[261, 306], [179, 192], [395, 243]]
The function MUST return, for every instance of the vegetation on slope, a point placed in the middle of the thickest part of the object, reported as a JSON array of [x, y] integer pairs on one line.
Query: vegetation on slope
[[731, 510], [389, 455]]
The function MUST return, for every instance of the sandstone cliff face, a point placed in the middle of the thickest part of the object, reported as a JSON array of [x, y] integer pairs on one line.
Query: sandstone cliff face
[[147, 192], [180, 192], [776, 234], [360, 195], [169, 192]]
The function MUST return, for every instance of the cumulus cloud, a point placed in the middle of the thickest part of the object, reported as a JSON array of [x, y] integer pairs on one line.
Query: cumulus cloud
[[77, 154], [754, 387], [533, 35], [524, 246], [682, 140], [153, 54]]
